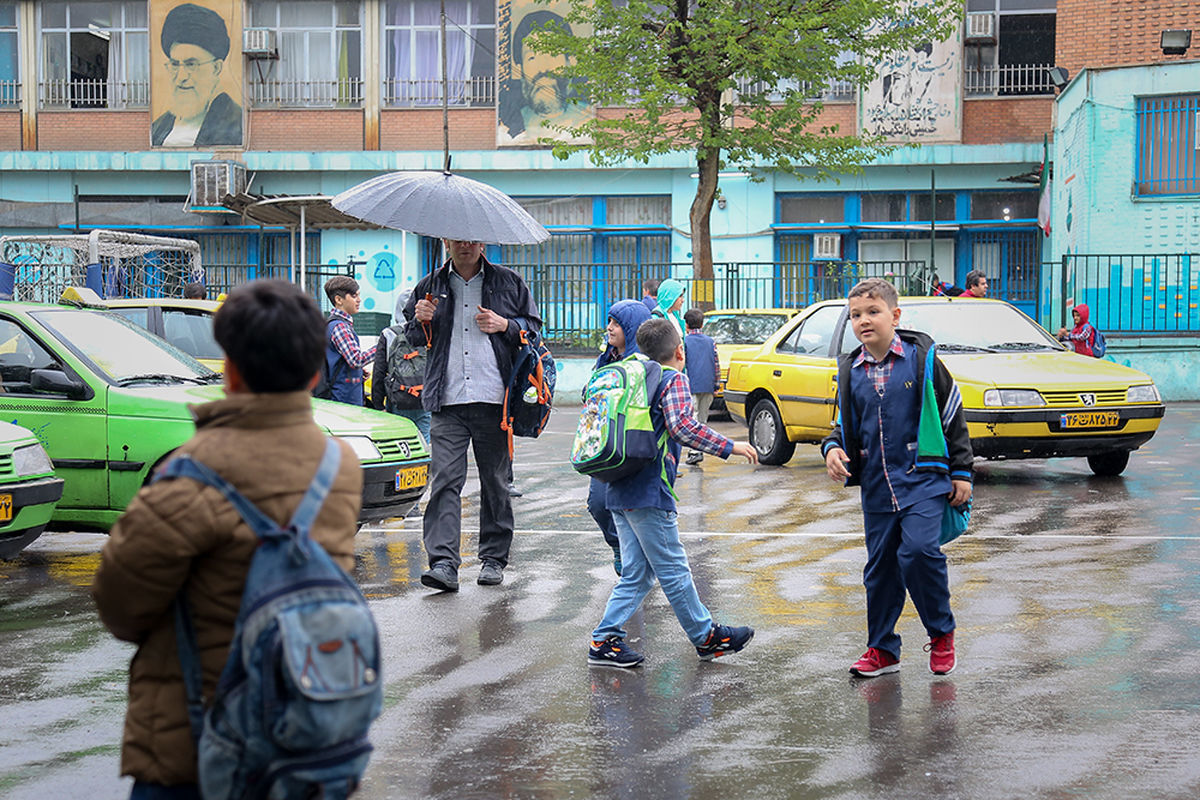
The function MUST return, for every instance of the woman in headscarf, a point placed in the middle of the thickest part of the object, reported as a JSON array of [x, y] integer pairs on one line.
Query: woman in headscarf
[[670, 301]]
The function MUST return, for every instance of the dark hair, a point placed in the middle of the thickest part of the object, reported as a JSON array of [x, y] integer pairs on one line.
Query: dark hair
[[274, 333], [650, 286], [192, 24], [877, 288], [340, 285], [526, 27], [693, 317], [974, 277], [657, 338], [193, 291]]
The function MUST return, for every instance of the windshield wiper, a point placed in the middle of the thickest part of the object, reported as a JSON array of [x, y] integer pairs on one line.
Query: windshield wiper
[[158, 377], [962, 348], [1021, 346]]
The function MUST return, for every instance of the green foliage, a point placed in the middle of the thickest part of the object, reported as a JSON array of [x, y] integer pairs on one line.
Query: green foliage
[[674, 66]]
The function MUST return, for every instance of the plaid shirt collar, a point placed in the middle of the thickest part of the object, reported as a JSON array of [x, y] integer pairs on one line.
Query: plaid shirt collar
[[896, 349]]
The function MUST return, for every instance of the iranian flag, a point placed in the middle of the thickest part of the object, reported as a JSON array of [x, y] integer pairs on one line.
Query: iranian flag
[[1044, 189]]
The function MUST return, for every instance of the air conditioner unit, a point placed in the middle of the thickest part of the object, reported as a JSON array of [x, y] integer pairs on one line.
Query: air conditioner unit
[[259, 43], [981, 27], [827, 245], [212, 180]]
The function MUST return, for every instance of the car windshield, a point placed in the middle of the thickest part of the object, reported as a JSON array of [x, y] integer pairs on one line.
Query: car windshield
[[971, 327], [119, 351], [742, 328]]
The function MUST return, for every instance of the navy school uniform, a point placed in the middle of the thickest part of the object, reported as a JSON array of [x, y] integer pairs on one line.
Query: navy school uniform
[[903, 450]]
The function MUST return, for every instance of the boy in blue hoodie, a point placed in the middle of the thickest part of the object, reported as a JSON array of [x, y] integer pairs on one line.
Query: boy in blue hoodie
[[902, 437], [624, 318]]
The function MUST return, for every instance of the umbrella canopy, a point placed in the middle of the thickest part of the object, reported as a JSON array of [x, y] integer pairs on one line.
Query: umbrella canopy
[[441, 204]]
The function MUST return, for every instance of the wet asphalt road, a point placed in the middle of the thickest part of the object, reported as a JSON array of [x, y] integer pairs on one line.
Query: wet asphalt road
[[1077, 600]]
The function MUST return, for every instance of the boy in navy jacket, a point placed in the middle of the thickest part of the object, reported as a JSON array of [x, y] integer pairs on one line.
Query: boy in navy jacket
[[703, 370], [643, 508], [902, 437]]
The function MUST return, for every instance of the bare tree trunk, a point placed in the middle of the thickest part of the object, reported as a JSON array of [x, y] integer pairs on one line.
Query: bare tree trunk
[[708, 163]]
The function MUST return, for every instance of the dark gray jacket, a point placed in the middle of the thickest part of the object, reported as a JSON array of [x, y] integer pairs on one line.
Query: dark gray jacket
[[504, 291]]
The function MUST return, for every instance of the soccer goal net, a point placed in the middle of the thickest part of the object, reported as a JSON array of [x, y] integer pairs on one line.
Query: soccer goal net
[[113, 263]]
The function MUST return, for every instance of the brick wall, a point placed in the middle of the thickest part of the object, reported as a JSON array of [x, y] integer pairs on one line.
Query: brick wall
[[421, 129], [1097, 33], [306, 130], [10, 130], [1009, 119], [92, 130]]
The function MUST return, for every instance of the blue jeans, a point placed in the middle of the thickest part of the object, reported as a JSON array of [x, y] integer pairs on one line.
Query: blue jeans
[[903, 553], [156, 791], [420, 417], [650, 549]]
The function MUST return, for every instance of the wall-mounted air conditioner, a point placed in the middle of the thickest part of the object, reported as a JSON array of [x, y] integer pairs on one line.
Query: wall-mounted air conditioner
[[259, 43], [981, 26], [212, 180], [827, 245]]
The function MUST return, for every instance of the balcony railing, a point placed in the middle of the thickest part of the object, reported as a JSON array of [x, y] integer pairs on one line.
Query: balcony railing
[[470, 92], [96, 93], [835, 90], [10, 94], [336, 93], [1010, 79]]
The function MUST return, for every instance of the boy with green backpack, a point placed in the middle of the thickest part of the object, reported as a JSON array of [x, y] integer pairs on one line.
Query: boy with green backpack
[[642, 502]]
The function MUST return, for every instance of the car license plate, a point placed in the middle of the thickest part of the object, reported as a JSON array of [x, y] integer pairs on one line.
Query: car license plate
[[1090, 419], [410, 477], [5, 507]]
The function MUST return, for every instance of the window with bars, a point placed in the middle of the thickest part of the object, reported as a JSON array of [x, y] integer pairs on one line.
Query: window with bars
[[94, 55], [320, 53], [10, 71], [1016, 59], [1167, 144], [412, 43]]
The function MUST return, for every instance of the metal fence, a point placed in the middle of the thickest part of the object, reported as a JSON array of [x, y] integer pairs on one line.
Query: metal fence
[[574, 299], [222, 278], [1125, 294], [336, 93], [93, 93], [1008, 79]]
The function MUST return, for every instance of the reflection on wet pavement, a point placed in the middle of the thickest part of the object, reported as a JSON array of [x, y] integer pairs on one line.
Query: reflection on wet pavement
[[1077, 598]]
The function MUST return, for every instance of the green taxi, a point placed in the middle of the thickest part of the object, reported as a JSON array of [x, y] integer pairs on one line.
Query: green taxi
[[1024, 394], [109, 401], [28, 489]]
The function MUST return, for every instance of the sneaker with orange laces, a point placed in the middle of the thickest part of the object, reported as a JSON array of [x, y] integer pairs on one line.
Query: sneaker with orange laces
[[941, 654], [875, 662]]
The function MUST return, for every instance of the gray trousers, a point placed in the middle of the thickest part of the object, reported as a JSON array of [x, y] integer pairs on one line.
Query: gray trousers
[[453, 430]]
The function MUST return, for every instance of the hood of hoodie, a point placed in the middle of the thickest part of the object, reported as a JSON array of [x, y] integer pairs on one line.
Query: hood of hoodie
[[1084, 313], [668, 292], [629, 314]]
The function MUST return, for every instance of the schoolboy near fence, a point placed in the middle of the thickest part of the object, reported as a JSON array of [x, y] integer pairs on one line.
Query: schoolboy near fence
[[910, 453], [1083, 335], [624, 319], [643, 509], [703, 370]]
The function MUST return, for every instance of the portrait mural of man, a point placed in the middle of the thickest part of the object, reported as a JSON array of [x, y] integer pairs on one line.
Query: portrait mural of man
[[531, 100], [197, 85]]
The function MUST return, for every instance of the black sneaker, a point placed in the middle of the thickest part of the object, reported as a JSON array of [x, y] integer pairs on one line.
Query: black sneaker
[[513, 491], [613, 652], [492, 573], [694, 457], [723, 640], [441, 576]]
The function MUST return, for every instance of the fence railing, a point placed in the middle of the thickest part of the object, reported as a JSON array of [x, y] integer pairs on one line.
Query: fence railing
[[834, 90], [574, 299], [479, 90], [10, 94], [221, 278], [336, 93], [1125, 294], [78, 93], [1008, 79]]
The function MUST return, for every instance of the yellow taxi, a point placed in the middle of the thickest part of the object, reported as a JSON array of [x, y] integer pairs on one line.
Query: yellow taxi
[[1024, 394], [733, 329]]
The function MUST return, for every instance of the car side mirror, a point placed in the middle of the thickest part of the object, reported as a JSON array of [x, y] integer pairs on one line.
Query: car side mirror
[[55, 381]]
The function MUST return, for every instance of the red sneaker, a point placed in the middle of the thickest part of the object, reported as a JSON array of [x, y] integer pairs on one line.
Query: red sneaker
[[875, 662], [941, 654]]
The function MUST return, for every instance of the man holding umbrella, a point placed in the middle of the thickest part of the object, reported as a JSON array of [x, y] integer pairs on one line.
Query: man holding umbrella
[[473, 312]]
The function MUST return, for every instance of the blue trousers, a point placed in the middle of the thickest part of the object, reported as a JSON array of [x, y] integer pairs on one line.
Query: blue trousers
[[650, 550], [903, 553], [597, 495]]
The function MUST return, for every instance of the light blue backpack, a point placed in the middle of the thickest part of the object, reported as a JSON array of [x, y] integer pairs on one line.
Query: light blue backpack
[[302, 683]]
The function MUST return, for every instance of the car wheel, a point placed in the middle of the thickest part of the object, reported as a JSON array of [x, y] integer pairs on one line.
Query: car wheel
[[1109, 464], [768, 435]]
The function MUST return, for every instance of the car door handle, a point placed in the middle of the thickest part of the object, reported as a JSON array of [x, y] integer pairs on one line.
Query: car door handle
[[777, 373]]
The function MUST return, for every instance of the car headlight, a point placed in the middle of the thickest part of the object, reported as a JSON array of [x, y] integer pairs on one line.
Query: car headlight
[[1146, 393], [1012, 397], [363, 447], [31, 460]]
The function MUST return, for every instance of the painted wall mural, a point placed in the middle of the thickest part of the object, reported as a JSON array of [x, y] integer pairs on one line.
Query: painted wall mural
[[916, 96]]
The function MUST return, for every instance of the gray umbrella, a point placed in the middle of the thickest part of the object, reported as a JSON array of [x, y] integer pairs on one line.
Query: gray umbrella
[[443, 205]]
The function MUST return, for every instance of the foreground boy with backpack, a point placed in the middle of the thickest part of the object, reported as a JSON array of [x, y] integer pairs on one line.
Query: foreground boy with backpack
[[643, 509], [902, 437], [179, 538]]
